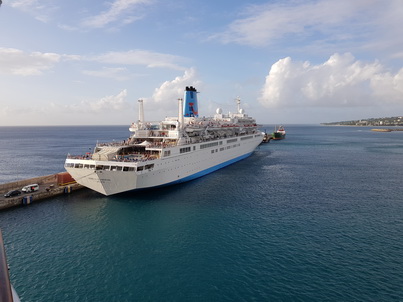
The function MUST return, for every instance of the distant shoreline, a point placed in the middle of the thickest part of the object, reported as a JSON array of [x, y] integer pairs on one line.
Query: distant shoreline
[[386, 129], [398, 127]]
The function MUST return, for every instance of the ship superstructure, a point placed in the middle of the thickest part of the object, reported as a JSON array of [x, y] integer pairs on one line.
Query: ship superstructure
[[174, 150]]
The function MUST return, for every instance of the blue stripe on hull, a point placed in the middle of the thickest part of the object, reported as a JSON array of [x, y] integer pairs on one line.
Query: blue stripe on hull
[[210, 170], [198, 174], [205, 172]]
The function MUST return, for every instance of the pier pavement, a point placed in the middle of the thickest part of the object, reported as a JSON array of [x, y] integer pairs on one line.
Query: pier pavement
[[49, 186]]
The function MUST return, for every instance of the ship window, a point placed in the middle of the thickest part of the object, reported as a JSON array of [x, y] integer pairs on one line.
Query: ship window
[[212, 151], [140, 168], [99, 167], [208, 145], [231, 140], [131, 169], [247, 137], [126, 169], [183, 150], [106, 167], [86, 166], [92, 166], [149, 166], [167, 153], [119, 168], [76, 165], [113, 168]]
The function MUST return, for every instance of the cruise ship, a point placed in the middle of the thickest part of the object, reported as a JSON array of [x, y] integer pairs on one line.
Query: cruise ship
[[167, 152]]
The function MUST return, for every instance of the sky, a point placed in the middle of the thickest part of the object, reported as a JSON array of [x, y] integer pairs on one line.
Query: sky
[[88, 62]]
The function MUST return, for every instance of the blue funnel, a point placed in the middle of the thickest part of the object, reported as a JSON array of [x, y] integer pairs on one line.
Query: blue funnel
[[190, 108]]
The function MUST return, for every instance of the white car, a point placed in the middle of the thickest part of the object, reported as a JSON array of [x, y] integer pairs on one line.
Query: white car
[[30, 188]]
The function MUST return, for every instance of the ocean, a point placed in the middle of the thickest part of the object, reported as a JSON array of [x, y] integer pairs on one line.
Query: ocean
[[315, 217]]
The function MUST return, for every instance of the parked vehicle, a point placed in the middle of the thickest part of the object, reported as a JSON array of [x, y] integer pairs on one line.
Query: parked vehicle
[[12, 193], [30, 188]]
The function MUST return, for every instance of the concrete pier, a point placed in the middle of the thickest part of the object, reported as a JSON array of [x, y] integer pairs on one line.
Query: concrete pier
[[49, 186]]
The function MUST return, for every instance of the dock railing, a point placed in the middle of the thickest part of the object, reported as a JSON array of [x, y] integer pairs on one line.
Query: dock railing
[[5, 286]]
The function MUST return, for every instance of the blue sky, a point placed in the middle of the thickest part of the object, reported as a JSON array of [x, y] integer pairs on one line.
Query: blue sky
[[88, 62]]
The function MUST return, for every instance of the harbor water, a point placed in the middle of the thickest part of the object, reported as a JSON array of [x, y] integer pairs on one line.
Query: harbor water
[[317, 216]]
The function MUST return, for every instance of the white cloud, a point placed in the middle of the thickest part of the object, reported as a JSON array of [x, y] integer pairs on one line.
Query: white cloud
[[171, 90], [119, 73], [110, 103], [42, 10], [141, 57], [266, 23], [164, 101], [17, 62], [345, 24], [342, 81], [388, 86], [119, 10]]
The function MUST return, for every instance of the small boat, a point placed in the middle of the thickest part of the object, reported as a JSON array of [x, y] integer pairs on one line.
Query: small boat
[[278, 133], [266, 137]]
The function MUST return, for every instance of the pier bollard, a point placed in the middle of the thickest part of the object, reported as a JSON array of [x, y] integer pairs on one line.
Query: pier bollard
[[67, 190], [26, 200]]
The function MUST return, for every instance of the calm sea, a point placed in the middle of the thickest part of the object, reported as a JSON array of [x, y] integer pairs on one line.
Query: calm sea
[[315, 217]]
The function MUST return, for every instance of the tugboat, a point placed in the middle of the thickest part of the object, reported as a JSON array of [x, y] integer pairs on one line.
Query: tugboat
[[278, 133]]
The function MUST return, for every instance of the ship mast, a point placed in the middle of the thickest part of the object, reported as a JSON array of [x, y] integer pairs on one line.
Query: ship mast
[[141, 112], [180, 114], [238, 102]]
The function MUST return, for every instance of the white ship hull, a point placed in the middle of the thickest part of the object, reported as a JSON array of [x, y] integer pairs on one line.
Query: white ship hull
[[171, 151], [112, 177]]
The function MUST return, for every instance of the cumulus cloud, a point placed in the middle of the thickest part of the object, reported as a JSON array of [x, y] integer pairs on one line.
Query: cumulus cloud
[[171, 90], [17, 62], [119, 10], [113, 102], [342, 81], [164, 100], [110, 103]]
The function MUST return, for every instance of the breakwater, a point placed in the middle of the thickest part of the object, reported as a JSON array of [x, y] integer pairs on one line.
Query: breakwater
[[50, 185], [387, 129]]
